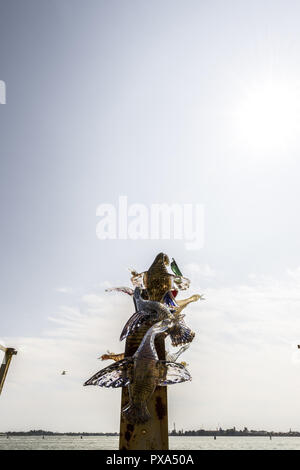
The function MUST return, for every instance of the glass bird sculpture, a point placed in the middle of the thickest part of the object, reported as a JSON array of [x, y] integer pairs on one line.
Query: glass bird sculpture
[[153, 311]]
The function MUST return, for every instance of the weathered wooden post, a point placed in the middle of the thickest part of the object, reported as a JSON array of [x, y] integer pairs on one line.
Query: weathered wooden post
[[9, 352], [152, 435]]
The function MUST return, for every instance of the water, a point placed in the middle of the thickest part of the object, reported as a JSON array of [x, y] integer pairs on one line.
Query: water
[[176, 443]]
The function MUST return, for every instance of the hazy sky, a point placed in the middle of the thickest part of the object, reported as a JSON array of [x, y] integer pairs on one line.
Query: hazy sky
[[165, 102]]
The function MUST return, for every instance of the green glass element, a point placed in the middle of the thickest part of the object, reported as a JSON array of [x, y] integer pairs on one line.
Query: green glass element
[[175, 268]]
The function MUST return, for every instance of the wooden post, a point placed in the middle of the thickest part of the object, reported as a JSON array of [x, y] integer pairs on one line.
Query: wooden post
[[9, 352], [152, 435]]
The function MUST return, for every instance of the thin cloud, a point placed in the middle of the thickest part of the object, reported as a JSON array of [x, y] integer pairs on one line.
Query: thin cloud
[[65, 290]]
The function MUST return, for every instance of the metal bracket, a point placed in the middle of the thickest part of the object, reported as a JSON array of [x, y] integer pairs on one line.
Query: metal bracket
[[9, 352]]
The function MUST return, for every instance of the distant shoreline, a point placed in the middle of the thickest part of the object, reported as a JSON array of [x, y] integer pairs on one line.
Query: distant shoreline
[[201, 432]]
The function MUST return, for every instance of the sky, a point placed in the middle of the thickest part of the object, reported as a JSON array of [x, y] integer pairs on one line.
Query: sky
[[164, 102]]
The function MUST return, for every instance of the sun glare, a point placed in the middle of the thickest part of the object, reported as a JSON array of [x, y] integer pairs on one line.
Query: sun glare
[[268, 116]]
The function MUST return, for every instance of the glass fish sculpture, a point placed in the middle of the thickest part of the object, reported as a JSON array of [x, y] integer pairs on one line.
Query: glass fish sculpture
[[157, 280], [112, 356], [142, 373]]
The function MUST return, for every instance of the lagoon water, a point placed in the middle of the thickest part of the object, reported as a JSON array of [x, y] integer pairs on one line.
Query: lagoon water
[[176, 443]]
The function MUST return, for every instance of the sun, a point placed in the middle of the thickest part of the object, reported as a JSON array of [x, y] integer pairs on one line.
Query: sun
[[268, 116]]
